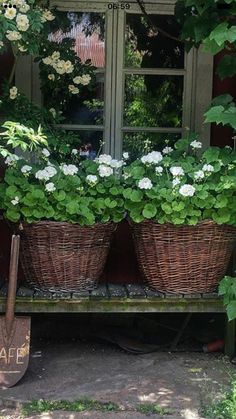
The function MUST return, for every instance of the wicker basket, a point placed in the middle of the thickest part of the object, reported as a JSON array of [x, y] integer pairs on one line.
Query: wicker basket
[[183, 259], [60, 256]]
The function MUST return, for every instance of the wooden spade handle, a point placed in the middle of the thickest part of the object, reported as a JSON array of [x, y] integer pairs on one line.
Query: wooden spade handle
[[11, 295]]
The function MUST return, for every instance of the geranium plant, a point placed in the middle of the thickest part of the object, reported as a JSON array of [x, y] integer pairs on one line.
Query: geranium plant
[[227, 289], [39, 188], [182, 185]]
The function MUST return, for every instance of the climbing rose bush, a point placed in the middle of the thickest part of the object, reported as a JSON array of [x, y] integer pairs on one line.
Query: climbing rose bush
[[182, 185]]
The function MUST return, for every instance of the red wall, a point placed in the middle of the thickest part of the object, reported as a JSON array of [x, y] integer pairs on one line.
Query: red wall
[[122, 264]]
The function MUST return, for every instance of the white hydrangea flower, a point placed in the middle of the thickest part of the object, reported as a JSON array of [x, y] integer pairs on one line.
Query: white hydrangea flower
[[105, 171], [187, 190], [13, 35], [50, 187], [196, 144], [74, 151], [13, 92], [104, 159], [176, 171], [92, 179], [159, 169], [199, 175], [45, 152], [126, 155], [145, 183], [73, 89], [26, 169], [167, 150], [154, 157], [10, 13], [11, 160], [69, 169], [47, 15], [175, 182], [22, 22], [15, 201], [208, 168]]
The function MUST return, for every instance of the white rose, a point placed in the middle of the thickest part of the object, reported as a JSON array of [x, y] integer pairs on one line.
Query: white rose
[[47, 15], [24, 7], [47, 60], [92, 179], [26, 169], [69, 169], [187, 190], [196, 144], [73, 89], [126, 155], [13, 92], [15, 201], [208, 168], [68, 66], [104, 159], [45, 152], [50, 187], [77, 80], [145, 183], [159, 169], [105, 171], [85, 79], [55, 55], [167, 150], [10, 13], [22, 22], [13, 35], [176, 171], [199, 174]]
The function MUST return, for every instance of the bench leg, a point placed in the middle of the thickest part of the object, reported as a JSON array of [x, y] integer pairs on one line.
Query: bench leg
[[230, 338]]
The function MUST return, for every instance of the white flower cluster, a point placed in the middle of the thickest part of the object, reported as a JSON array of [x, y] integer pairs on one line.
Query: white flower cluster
[[13, 93], [187, 190], [145, 183], [176, 171], [60, 66], [154, 157], [159, 170], [92, 179], [167, 150], [208, 168], [107, 165], [196, 144], [199, 175], [46, 173], [11, 160], [50, 187], [105, 171], [47, 16], [26, 169], [15, 201], [69, 169]]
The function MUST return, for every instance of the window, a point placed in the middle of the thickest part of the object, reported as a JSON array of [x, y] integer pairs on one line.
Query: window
[[148, 89]]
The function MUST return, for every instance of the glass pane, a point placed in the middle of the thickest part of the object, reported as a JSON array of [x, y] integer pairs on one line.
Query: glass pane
[[88, 107], [139, 143], [149, 46], [153, 101], [88, 32]]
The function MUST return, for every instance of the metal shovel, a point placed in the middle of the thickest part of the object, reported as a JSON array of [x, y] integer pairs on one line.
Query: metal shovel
[[14, 331]]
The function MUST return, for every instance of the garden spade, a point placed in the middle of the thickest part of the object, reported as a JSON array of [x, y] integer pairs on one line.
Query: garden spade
[[14, 331]]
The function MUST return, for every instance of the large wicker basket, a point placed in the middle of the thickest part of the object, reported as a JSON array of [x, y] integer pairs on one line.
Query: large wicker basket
[[183, 259], [60, 256]]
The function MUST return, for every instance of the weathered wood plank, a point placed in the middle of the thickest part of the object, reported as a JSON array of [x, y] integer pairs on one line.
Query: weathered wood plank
[[135, 291], [61, 295], [100, 292], [25, 292], [44, 295], [150, 293], [193, 295], [116, 291], [81, 294], [210, 295], [173, 296]]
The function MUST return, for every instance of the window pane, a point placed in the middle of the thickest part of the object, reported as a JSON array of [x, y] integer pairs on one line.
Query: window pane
[[147, 46], [153, 101], [139, 143]]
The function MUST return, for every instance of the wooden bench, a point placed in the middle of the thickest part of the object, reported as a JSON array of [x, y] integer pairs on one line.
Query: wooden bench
[[118, 298]]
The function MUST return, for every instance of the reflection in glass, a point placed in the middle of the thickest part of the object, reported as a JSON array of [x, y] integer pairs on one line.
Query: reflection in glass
[[139, 143], [90, 143], [148, 47], [153, 101], [88, 32]]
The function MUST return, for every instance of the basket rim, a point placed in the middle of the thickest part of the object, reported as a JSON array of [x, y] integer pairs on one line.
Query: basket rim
[[63, 223], [200, 223]]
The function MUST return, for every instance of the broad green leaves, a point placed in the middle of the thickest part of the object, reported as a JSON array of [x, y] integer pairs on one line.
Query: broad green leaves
[[227, 289]]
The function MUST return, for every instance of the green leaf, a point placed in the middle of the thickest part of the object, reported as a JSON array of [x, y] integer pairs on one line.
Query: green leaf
[[136, 196], [231, 310], [72, 208], [166, 208], [59, 196], [227, 67], [149, 211], [11, 191], [211, 154], [220, 33]]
